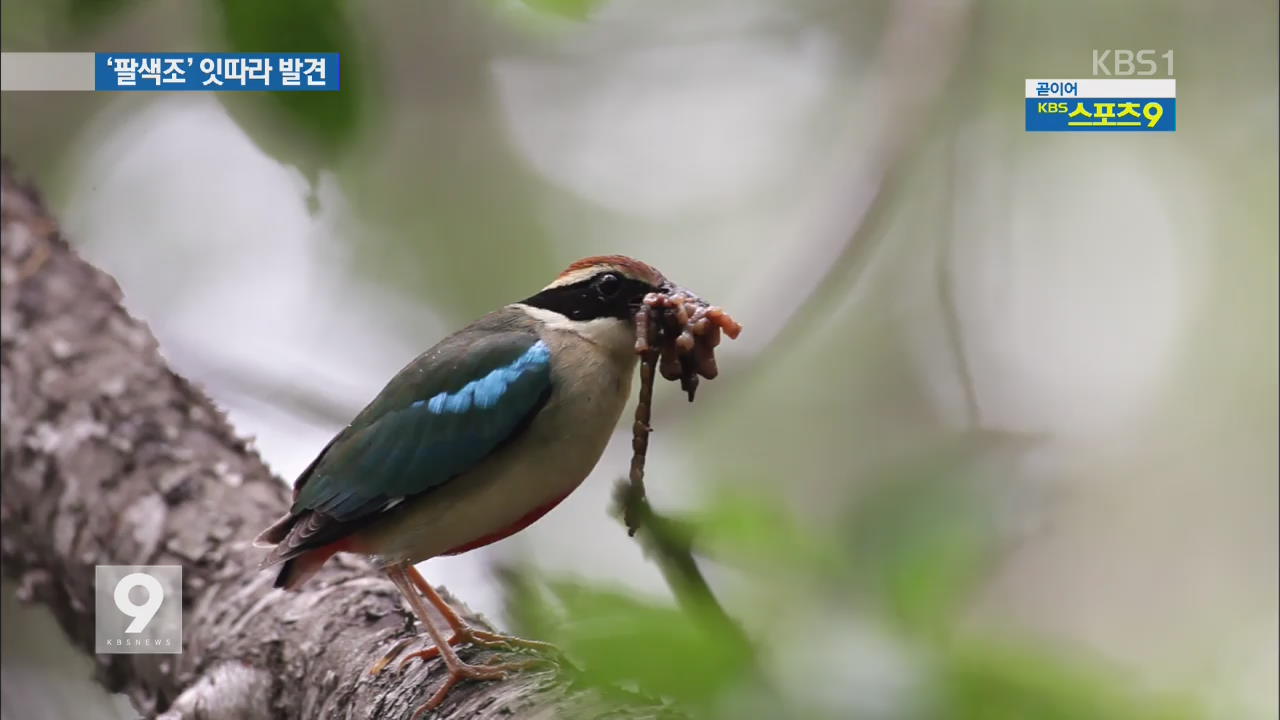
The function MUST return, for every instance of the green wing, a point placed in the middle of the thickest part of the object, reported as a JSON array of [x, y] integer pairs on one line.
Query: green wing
[[440, 416]]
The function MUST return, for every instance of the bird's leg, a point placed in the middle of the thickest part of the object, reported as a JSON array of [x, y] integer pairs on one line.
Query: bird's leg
[[462, 632], [458, 670]]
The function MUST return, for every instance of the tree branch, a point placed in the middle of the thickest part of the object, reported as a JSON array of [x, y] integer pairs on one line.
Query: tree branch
[[108, 457], [663, 539]]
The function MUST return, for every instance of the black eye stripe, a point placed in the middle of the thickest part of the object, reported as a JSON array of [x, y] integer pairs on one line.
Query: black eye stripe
[[584, 300]]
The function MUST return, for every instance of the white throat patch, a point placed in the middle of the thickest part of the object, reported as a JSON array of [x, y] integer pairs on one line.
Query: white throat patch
[[611, 334]]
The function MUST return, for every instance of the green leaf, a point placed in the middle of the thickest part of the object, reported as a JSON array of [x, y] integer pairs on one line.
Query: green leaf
[[990, 681], [572, 9], [620, 639], [758, 531], [327, 120]]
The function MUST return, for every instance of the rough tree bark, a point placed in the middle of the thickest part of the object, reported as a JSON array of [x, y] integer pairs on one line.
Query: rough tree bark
[[108, 457]]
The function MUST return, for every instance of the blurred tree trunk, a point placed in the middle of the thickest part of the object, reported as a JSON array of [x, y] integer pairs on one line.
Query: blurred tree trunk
[[108, 457]]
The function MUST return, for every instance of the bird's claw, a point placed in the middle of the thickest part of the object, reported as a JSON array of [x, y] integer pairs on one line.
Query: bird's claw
[[490, 671], [490, 639], [385, 660], [479, 638], [424, 654]]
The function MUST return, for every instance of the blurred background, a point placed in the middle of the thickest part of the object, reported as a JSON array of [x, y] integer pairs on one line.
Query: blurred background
[[998, 440]]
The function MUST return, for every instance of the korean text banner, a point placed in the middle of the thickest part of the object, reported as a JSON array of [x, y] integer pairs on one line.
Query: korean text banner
[[217, 72]]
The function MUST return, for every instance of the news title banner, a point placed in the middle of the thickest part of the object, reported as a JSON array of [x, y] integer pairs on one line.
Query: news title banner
[[1101, 105], [171, 72]]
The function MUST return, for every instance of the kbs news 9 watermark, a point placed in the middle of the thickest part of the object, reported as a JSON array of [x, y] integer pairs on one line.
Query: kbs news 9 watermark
[[138, 609]]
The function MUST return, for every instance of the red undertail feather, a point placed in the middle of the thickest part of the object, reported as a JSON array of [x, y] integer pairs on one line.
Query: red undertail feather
[[297, 570]]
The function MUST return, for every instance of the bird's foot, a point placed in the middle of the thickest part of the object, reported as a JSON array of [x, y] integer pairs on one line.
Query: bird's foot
[[406, 579], [479, 638], [490, 639], [464, 671]]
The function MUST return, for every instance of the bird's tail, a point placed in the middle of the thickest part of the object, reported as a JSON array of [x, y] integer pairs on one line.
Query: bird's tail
[[297, 562], [296, 570], [278, 531]]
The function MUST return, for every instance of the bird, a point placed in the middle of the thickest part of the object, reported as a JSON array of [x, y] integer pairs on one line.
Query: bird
[[471, 442]]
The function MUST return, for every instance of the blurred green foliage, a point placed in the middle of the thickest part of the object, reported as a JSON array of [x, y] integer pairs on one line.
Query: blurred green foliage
[[573, 9], [329, 119], [87, 14], [996, 680], [921, 540], [624, 638], [903, 559]]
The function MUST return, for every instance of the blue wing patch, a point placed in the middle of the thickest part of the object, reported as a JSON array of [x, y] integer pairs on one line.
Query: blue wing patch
[[488, 390], [403, 445]]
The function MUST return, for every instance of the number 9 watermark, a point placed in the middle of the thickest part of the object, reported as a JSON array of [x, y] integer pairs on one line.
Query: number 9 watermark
[[141, 614], [138, 608]]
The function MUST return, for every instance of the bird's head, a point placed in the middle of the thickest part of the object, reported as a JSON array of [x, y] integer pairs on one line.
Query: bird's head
[[597, 297]]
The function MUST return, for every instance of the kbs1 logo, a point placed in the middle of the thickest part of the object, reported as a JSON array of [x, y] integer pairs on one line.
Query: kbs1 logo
[[1127, 62], [138, 609], [1108, 104]]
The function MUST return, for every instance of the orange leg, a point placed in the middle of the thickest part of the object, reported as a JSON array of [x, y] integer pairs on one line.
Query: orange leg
[[458, 670], [462, 632]]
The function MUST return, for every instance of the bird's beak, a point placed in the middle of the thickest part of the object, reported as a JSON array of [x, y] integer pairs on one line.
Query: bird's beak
[[670, 288], [666, 287]]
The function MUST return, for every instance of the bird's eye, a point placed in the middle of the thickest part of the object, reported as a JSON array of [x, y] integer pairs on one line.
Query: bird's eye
[[608, 285]]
